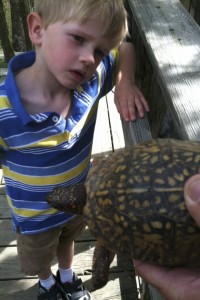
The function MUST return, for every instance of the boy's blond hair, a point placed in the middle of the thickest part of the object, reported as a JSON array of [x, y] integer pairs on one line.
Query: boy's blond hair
[[112, 13]]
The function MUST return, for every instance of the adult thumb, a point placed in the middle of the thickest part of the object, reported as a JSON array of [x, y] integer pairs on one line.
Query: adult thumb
[[192, 197]]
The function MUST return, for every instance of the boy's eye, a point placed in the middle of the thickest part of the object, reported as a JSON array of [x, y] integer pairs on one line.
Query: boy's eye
[[99, 53], [78, 38]]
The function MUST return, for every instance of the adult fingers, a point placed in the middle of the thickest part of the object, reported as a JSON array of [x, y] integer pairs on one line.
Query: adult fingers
[[192, 197]]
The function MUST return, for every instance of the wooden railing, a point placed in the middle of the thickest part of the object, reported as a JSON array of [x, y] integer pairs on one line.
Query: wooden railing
[[193, 6], [167, 42]]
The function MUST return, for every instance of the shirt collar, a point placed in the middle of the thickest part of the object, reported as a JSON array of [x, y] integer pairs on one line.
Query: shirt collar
[[16, 64]]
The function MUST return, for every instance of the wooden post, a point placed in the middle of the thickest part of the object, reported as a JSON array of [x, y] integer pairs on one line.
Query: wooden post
[[197, 12]]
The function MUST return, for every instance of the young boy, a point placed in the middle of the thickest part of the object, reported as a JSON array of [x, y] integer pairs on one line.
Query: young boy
[[48, 107]]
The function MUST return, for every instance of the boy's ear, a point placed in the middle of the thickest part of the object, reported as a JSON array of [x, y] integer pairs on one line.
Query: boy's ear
[[35, 28]]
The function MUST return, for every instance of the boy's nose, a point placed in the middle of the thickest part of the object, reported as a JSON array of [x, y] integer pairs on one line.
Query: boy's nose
[[87, 57]]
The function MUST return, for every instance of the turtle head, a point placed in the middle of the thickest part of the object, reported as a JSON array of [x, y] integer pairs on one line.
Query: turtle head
[[70, 199]]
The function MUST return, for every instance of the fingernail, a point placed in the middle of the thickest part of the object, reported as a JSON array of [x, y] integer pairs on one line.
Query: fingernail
[[194, 190]]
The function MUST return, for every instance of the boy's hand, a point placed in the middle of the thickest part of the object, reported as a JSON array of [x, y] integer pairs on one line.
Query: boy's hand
[[129, 101]]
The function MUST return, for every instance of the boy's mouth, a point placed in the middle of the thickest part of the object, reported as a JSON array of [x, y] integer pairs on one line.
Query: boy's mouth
[[77, 75]]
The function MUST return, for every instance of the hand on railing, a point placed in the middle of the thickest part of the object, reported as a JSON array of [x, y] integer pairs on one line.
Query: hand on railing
[[130, 101]]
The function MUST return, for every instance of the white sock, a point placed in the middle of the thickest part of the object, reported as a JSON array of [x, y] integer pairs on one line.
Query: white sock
[[66, 275], [48, 283]]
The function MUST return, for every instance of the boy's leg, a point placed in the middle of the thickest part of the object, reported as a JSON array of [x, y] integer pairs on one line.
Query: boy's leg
[[36, 253], [65, 254], [71, 287]]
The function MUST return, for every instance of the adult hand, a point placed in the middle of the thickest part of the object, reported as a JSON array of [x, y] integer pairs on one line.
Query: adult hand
[[177, 283], [192, 197]]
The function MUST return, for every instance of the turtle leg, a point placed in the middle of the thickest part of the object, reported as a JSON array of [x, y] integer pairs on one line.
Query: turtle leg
[[102, 259]]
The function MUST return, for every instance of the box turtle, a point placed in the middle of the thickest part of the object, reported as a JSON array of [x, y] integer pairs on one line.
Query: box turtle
[[135, 204]]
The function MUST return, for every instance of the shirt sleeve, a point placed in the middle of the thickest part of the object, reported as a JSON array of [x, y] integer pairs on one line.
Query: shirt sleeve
[[107, 72]]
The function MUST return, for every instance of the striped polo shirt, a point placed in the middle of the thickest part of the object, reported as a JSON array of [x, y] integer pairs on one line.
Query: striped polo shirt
[[39, 152]]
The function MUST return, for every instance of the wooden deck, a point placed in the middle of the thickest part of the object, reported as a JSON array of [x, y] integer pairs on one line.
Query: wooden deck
[[121, 286]]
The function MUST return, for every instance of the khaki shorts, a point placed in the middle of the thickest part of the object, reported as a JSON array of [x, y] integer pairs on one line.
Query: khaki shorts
[[37, 251]]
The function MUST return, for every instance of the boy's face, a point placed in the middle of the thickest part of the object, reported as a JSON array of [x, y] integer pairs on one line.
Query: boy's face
[[72, 51]]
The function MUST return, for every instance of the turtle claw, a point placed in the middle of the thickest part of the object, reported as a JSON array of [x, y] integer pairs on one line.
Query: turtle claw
[[70, 199], [102, 259]]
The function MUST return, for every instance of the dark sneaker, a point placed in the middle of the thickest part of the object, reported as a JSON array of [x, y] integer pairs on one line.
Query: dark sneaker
[[74, 290], [52, 294]]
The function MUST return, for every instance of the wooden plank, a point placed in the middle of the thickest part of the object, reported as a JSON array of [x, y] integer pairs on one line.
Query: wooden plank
[[118, 288], [7, 235], [5, 210], [9, 264], [127, 133], [136, 132], [102, 139], [172, 40], [115, 123]]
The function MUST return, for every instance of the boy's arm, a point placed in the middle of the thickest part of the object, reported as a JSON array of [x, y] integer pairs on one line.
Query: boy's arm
[[129, 100]]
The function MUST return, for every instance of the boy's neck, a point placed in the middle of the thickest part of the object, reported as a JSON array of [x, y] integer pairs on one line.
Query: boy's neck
[[39, 96]]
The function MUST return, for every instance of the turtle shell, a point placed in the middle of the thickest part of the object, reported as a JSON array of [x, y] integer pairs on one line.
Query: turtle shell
[[135, 202]]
